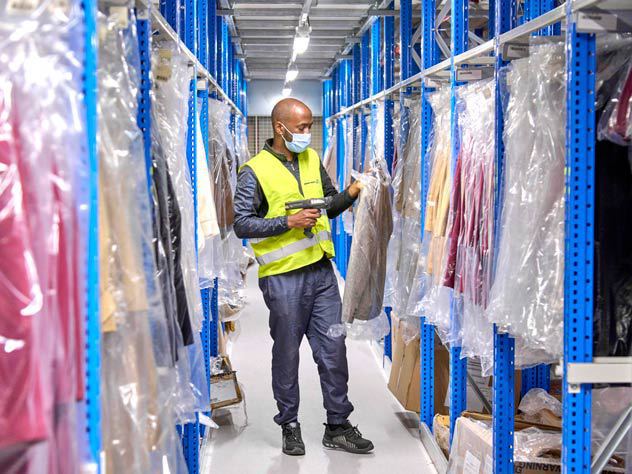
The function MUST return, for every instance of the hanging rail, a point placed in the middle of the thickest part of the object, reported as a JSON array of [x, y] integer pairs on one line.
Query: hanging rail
[[477, 54], [160, 24]]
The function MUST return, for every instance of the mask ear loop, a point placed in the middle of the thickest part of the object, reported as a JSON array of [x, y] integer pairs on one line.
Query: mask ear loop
[[288, 131]]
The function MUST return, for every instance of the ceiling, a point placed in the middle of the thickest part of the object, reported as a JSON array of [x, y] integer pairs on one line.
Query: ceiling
[[266, 29]]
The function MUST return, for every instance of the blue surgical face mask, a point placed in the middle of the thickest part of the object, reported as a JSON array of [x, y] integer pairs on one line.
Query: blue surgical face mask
[[300, 141]]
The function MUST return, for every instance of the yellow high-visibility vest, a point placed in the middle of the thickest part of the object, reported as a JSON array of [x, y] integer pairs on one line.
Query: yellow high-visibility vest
[[292, 249]]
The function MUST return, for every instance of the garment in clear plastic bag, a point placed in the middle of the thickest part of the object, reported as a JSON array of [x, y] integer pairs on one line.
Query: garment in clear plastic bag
[[428, 296], [407, 203], [208, 227], [330, 159], [362, 313], [42, 160], [527, 295], [615, 123], [468, 258], [170, 115], [138, 373], [222, 163], [347, 127]]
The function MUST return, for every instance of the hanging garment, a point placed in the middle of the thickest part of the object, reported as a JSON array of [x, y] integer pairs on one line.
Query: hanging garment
[[468, 265], [362, 311], [219, 117], [527, 295], [428, 296], [330, 160], [42, 159], [615, 123]]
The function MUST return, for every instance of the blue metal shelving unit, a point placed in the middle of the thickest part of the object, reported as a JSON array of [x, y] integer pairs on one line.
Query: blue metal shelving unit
[[198, 27], [580, 150]]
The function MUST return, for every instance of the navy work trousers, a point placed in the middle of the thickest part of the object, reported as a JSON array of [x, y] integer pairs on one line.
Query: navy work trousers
[[306, 302]]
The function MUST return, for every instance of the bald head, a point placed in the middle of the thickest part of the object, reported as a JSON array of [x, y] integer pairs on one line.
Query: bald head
[[291, 116], [287, 108]]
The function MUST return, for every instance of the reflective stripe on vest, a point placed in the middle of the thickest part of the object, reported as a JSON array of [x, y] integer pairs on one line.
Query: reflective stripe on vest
[[294, 247]]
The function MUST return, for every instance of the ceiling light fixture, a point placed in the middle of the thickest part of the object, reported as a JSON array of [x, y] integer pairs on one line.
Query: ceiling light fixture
[[292, 73], [301, 40], [286, 91]]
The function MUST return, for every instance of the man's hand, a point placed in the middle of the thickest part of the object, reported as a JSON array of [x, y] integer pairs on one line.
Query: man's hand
[[304, 219], [354, 189]]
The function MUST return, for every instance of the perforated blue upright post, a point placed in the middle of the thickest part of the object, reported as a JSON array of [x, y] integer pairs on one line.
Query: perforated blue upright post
[[89, 226], [503, 406], [429, 57], [171, 12], [357, 94], [343, 91], [212, 25], [389, 145], [581, 65], [459, 43], [191, 431]]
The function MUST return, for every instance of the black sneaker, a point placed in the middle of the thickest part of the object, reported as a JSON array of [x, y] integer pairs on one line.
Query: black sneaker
[[292, 441], [346, 437]]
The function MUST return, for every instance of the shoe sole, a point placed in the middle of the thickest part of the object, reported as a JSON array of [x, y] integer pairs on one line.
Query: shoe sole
[[339, 447], [295, 452]]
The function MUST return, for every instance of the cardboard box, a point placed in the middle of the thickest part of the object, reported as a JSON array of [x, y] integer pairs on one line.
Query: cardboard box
[[405, 379], [472, 451]]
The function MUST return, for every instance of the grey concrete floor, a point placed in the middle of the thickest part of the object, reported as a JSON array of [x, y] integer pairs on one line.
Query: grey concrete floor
[[256, 447]]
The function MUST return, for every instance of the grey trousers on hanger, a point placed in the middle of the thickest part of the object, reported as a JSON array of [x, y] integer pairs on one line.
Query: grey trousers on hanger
[[306, 302]]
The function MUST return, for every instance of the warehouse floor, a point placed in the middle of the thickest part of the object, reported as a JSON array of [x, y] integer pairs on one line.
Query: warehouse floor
[[256, 448]]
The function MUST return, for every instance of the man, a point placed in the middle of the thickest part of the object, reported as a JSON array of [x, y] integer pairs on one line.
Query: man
[[295, 275]]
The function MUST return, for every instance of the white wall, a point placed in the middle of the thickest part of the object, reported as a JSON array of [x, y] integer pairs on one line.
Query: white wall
[[264, 94]]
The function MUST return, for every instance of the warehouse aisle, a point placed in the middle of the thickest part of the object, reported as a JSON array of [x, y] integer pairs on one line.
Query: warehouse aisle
[[256, 449]]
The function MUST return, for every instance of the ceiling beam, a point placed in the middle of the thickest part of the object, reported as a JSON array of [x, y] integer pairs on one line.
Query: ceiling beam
[[337, 24], [305, 56], [315, 41], [265, 33], [264, 3], [254, 64], [334, 13]]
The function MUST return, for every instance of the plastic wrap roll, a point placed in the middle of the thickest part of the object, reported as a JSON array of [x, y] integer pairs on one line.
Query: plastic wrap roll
[[527, 293]]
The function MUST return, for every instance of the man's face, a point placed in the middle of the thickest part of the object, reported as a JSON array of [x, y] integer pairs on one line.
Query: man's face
[[299, 121]]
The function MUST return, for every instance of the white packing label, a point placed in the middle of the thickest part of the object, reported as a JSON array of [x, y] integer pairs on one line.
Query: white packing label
[[596, 22], [223, 390], [22, 6], [469, 74], [121, 16], [471, 464]]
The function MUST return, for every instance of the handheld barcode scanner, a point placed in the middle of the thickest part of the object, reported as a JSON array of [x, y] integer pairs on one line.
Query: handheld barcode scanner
[[313, 203]]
